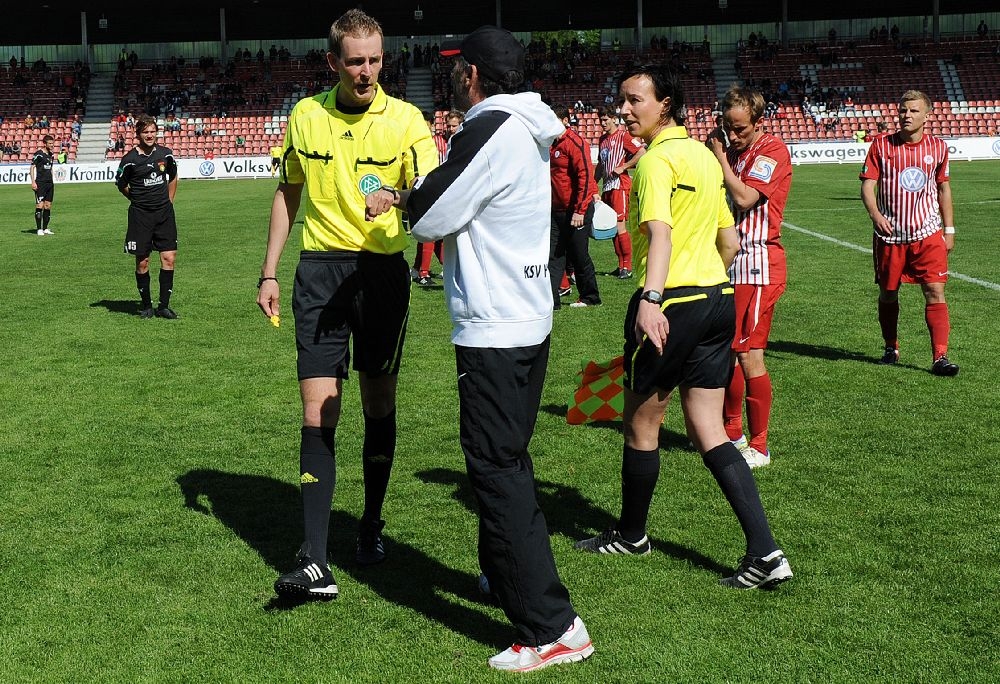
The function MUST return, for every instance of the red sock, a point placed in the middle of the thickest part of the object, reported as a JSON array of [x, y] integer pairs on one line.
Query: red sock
[[422, 262], [626, 241], [564, 283], [759, 394], [617, 242], [939, 324], [888, 320], [732, 410]]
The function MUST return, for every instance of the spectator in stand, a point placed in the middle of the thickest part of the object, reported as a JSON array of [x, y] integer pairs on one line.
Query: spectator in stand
[[120, 143], [982, 29], [860, 135], [757, 173], [29, 122], [76, 127], [573, 193], [914, 225], [618, 152], [43, 122]]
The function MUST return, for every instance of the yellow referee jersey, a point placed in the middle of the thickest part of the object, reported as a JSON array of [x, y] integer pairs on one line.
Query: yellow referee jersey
[[679, 182], [343, 157]]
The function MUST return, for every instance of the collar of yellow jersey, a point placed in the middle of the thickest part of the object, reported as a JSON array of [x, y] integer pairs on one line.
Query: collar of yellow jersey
[[378, 104], [672, 133]]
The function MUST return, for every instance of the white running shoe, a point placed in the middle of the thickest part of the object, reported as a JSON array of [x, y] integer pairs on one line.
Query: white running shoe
[[756, 459], [46, 231], [743, 445], [573, 646]]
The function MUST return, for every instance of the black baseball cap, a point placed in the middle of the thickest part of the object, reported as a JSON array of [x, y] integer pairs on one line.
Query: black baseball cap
[[494, 51]]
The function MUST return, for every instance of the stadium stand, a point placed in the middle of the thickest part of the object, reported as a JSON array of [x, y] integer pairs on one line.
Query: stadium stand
[[819, 91], [40, 100]]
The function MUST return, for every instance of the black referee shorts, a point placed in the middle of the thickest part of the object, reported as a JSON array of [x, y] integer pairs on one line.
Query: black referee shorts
[[340, 294], [697, 352], [150, 230]]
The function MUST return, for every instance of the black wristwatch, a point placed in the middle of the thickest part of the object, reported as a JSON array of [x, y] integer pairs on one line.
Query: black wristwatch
[[394, 191], [261, 281], [652, 296]]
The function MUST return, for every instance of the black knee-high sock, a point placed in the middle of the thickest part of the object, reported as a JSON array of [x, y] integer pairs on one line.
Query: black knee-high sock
[[731, 471], [166, 287], [142, 282], [318, 476], [46, 213], [640, 470], [376, 455], [38, 219]]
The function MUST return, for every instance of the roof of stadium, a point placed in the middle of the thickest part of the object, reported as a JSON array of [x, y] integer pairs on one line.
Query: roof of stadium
[[41, 22]]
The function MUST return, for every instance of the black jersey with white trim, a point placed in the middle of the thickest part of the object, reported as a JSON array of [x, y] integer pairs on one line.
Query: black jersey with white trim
[[147, 176], [42, 161]]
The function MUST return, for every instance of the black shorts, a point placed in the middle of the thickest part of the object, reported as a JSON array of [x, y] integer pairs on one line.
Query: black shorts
[[697, 352], [150, 230], [44, 193], [340, 294]]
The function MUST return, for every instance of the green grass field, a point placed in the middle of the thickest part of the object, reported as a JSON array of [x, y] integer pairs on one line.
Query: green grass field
[[150, 496]]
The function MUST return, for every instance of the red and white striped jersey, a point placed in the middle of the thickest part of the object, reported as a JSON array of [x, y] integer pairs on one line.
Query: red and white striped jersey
[[908, 176], [613, 150], [442, 147], [766, 167]]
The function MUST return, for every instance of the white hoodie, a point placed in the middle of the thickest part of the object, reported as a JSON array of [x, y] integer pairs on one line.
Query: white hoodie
[[491, 203]]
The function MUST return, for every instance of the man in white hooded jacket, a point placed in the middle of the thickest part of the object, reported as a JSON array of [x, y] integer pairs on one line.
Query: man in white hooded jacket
[[490, 201]]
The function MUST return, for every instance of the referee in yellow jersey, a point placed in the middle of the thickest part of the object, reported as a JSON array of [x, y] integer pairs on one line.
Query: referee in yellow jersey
[[680, 324], [352, 280], [276, 153]]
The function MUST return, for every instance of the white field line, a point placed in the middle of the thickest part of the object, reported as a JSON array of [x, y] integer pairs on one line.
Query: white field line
[[868, 250]]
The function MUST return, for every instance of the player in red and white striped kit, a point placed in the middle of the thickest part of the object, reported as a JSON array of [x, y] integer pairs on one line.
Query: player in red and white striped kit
[[914, 225], [757, 172], [618, 152]]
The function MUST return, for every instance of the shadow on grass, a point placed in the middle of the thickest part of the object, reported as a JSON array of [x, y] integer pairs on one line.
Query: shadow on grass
[[120, 306], [819, 351], [669, 439], [267, 514], [567, 513]]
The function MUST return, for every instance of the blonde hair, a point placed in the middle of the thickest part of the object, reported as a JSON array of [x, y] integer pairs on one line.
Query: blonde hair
[[354, 23], [911, 95], [744, 98]]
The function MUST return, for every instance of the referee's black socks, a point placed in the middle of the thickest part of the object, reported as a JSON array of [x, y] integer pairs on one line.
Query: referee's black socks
[[376, 457], [46, 213], [38, 219], [317, 475], [640, 470], [731, 471]]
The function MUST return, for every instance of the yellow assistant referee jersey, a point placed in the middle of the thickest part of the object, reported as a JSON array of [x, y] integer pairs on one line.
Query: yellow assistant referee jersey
[[679, 181], [343, 157]]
